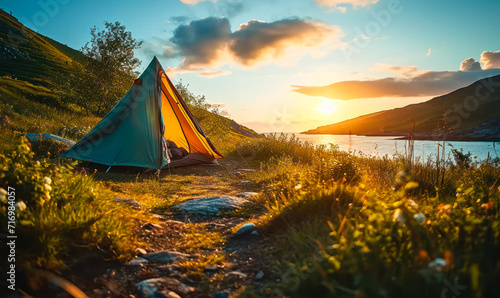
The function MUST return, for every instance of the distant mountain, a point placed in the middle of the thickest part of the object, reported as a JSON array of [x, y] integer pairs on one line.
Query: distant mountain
[[469, 113]]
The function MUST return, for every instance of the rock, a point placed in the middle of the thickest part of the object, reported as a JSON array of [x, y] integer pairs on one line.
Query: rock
[[211, 206], [130, 202], [140, 251], [151, 285], [237, 274], [158, 216], [254, 233], [220, 295], [259, 275], [246, 229], [138, 262], [4, 121], [247, 194], [167, 256], [170, 294], [245, 183]]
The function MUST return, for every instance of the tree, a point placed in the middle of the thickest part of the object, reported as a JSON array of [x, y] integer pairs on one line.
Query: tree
[[107, 73]]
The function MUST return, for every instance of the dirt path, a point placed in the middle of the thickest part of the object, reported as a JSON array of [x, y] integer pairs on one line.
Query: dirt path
[[195, 256]]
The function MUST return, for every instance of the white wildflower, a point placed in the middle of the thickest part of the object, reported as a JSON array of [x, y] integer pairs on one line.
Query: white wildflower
[[398, 216], [47, 180], [413, 204], [298, 186], [47, 188], [20, 206], [419, 218]]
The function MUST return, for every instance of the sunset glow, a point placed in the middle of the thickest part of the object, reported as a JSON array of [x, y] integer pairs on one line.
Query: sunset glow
[[326, 107]]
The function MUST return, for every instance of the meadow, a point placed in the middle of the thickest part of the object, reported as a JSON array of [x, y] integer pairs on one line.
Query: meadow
[[333, 224]]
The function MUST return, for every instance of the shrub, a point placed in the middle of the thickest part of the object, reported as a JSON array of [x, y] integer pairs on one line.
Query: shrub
[[58, 210]]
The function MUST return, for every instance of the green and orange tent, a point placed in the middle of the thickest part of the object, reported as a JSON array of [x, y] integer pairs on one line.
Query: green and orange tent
[[133, 133]]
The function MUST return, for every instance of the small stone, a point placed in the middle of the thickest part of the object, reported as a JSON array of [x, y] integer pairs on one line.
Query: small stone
[[220, 295], [170, 294], [171, 284], [170, 269], [138, 262], [244, 183], [237, 274], [130, 202], [140, 251], [167, 256], [246, 229], [211, 268], [259, 275], [254, 233]]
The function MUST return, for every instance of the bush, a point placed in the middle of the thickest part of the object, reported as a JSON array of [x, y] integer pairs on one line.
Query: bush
[[57, 211]]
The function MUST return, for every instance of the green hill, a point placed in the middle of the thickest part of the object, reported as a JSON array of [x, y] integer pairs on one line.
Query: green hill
[[30, 63], [30, 56], [469, 113]]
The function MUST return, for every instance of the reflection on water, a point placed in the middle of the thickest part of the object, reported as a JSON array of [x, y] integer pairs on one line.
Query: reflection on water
[[380, 146]]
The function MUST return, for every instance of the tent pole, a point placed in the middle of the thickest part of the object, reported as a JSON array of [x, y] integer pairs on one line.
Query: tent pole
[[108, 169]]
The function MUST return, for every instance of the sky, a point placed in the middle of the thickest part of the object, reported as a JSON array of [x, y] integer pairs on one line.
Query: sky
[[294, 65]]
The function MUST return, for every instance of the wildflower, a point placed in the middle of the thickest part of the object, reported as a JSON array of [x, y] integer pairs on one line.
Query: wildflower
[[447, 208], [413, 204], [47, 187], [487, 206], [20, 206], [398, 216], [47, 180], [449, 258], [419, 218], [298, 186]]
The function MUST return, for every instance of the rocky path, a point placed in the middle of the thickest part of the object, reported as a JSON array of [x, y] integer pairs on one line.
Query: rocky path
[[203, 247]]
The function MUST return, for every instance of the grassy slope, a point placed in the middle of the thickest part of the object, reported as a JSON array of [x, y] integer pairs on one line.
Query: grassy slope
[[28, 55], [425, 115]]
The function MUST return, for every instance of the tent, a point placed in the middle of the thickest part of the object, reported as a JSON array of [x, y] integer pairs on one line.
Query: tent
[[136, 130]]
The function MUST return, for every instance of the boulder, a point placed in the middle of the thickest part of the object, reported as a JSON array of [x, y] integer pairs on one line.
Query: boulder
[[246, 229], [166, 256], [148, 287], [130, 202], [211, 206]]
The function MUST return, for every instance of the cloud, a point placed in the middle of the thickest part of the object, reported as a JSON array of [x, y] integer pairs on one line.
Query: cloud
[[209, 42], [429, 52], [403, 71], [202, 42], [258, 40], [213, 74], [178, 19], [490, 59], [339, 5], [470, 65], [422, 83]]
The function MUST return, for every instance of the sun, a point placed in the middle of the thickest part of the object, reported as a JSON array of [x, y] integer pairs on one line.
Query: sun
[[326, 107]]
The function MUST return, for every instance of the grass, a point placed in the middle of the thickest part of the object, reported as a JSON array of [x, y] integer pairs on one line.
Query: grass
[[343, 226]]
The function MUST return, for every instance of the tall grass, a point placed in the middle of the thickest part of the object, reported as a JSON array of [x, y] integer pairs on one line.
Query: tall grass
[[388, 228]]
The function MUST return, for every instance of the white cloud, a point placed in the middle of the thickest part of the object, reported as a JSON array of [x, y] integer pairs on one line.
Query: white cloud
[[490, 59], [429, 52], [470, 65]]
